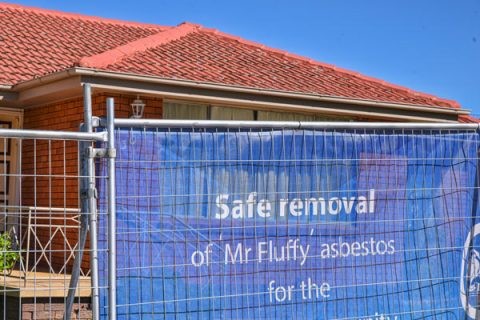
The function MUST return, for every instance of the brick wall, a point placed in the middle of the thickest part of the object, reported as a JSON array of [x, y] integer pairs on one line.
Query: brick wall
[[46, 310], [43, 308], [55, 163]]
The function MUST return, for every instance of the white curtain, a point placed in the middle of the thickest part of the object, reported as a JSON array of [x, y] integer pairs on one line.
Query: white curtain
[[184, 111], [284, 116], [225, 113], [191, 111]]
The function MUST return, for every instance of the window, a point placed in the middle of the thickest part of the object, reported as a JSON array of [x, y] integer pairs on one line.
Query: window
[[185, 111], [194, 111]]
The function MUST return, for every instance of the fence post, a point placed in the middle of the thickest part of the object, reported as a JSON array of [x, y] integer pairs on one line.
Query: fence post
[[112, 266], [88, 216], [92, 216]]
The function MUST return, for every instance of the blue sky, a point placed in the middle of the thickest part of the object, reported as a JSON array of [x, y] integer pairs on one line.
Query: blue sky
[[428, 45]]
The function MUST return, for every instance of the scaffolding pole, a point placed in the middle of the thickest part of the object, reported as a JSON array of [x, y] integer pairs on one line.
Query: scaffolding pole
[[112, 213]]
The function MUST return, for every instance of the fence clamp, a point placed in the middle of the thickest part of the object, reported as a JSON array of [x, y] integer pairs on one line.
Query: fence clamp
[[101, 152], [89, 193], [95, 122]]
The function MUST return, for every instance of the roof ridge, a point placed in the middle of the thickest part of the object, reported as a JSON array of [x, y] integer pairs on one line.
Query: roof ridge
[[80, 16], [450, 103], [114, 55]]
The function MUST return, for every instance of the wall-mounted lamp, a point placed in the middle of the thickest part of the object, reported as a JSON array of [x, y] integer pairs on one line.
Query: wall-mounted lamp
[[138, 106]]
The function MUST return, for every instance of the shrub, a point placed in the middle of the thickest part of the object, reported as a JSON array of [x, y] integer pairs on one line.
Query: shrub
[[8, 257]]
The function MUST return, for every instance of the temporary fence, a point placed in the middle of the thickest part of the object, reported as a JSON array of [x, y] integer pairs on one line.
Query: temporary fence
[[171, 219], [261, 220], [40, 216]]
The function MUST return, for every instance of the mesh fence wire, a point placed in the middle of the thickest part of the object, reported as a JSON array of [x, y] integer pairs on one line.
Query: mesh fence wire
[[273, 224], [40, 227]]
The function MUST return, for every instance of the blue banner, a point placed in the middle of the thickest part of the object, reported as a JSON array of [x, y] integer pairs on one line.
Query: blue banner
[[291, 224]]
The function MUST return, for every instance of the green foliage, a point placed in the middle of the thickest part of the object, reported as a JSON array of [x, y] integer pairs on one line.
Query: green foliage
[[8, 257]]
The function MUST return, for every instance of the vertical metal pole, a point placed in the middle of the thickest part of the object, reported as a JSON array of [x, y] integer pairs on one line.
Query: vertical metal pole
[[112, 265], [88, 218], [92, 217]]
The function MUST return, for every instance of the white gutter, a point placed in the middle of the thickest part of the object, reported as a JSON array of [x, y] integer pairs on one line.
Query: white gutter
[[273, 106], [277, 93], [204, 85], [44, 79]]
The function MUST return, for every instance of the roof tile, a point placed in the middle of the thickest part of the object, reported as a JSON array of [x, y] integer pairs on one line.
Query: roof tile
[[36, 41]]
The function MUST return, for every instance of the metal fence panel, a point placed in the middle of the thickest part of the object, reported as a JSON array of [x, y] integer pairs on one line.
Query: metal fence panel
[[302, 222], [40, 224]]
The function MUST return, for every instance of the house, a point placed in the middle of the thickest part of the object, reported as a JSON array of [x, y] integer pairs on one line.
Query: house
[[180, 72]]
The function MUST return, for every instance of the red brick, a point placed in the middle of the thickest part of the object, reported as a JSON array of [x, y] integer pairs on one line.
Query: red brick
[[84, 314], [27, 315], [33, 307], [44, 315], [55, 307]]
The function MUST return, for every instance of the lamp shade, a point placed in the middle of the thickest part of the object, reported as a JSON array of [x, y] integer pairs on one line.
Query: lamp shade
[[138, 107]]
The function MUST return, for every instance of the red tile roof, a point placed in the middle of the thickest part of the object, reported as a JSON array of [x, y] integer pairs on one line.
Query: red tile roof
[[467, 119], [36, 42]]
